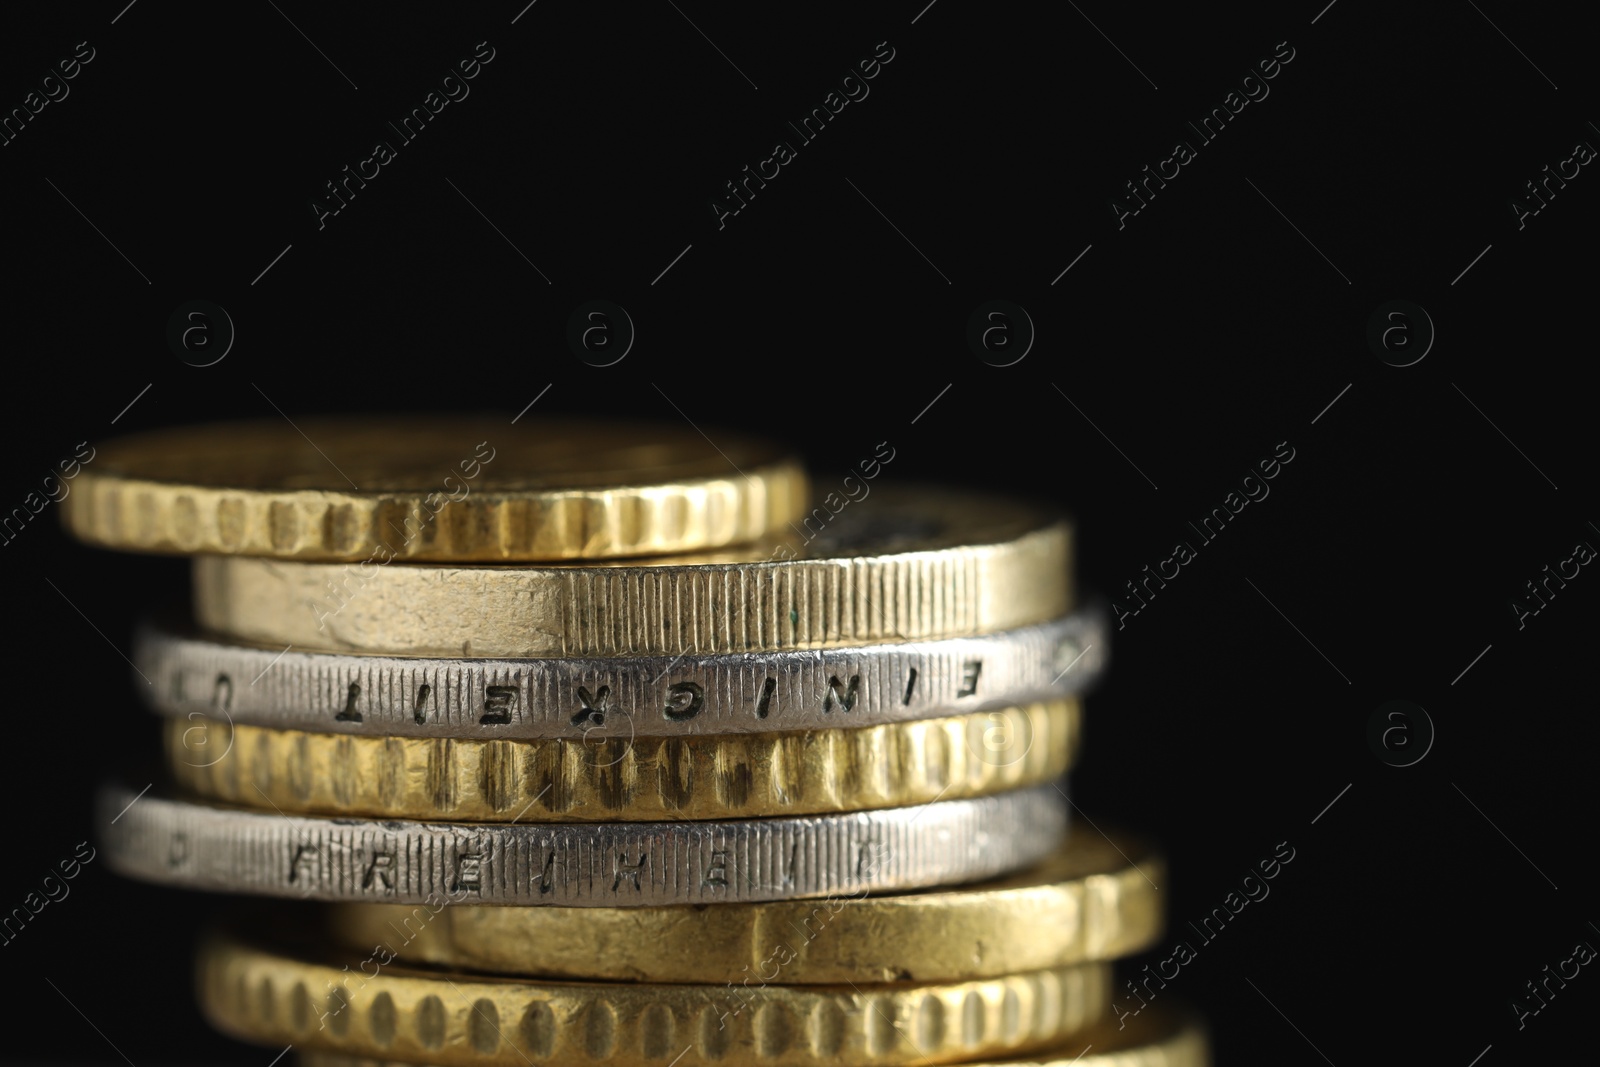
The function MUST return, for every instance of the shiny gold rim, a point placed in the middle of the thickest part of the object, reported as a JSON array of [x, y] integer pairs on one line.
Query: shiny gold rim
[[708, 776], [365, 1008], [418, 488]]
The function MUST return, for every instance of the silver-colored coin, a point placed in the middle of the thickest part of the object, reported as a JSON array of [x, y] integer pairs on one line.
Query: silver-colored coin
[[595, 698], [197, 846]]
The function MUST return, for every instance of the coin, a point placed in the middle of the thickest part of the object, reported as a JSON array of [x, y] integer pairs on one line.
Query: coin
[[342, 1003], [596, 697], [903, 565], [433, 488], [202, 846], [1095, 898], [711, 776], [1157, 1039]]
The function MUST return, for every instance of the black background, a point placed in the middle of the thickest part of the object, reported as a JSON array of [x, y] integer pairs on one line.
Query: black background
[[1197, 337]]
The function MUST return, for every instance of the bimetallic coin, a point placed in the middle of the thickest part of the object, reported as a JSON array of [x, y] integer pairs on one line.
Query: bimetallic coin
[[902, 565], [1156, 1037], [425, 488], [1095, 899], [607, 697], [707, 777], [202, 846], [342, 1003]]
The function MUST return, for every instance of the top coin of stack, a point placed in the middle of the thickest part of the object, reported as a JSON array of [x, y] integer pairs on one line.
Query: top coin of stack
[[433, 489], [447, 661]]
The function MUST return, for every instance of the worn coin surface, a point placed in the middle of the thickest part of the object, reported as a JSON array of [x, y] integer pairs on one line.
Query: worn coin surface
[[604, 697], [906, 564], [208, 846], [711, 776], [433, 488], [1096, 898], [343, 1003]]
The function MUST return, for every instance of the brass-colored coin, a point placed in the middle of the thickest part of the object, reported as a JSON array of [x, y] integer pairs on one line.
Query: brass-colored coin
[[708, 776], [366, 1008], [1157, 1039], [1095, 900], [901, 565], [423, 488], [1166, 1036]]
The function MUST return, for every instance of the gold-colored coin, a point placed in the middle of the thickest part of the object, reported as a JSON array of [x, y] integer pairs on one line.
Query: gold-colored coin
[[1095, 900], [706, 776], [1157, 1039], [367, 1008], [420, 488], [900, 565]]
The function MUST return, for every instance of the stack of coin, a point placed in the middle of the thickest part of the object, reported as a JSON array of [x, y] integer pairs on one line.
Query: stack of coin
[[602, 742]]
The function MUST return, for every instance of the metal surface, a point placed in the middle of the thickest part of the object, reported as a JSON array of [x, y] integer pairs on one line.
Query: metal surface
[[345, 1004], [616, 696], [422, 488], [203, 846], [706, 777], [1157, 1037], [1094, 899], [904, 565]]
